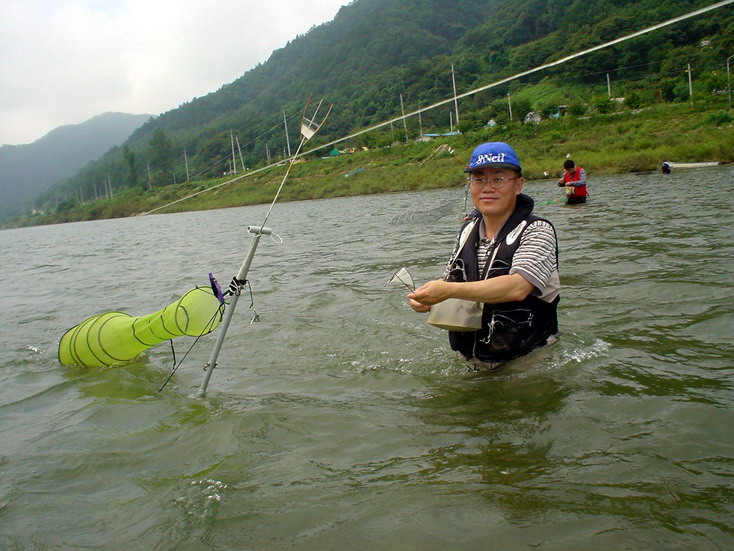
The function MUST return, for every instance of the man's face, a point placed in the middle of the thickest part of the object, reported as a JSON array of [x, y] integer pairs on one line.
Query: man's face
[[491, 196]]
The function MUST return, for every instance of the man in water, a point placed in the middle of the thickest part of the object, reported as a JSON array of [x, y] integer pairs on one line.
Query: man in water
[[505, 258], [574, 180]]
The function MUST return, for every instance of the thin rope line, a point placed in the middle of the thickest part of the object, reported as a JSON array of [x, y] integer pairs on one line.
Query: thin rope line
[[196, 341]]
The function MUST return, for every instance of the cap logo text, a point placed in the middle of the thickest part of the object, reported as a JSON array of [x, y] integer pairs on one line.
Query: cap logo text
[[484, 158]]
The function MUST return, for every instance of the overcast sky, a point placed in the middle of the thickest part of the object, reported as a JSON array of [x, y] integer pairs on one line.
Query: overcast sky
[[66, 61]]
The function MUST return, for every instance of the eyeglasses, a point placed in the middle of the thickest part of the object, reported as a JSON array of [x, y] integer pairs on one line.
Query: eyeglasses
[[496, 182]]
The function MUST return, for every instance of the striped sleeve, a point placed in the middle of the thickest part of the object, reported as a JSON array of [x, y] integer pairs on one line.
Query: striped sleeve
[[535, 258]]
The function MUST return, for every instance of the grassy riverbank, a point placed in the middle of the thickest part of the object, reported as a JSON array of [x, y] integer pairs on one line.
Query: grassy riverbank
[[623, 142]]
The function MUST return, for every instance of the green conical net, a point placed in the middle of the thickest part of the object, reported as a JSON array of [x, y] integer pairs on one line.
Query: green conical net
[[115, 337]]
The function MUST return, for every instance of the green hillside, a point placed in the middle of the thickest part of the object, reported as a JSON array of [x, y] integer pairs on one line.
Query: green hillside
[[622, 141], [626, 107], [29, 169]]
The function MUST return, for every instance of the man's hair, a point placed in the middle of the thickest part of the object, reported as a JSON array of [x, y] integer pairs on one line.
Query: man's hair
[[569, 164]]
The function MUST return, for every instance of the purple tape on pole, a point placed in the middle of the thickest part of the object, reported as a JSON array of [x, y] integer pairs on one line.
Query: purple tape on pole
[[216, 289]]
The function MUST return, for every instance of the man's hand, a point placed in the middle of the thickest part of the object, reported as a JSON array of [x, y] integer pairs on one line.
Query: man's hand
[[504, 288], [429, 294]]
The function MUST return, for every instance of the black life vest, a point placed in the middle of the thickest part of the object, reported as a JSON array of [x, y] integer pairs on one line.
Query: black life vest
[[509, 329]]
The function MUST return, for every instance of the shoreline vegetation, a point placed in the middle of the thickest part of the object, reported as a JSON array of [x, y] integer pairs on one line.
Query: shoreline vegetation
[[626, 141]]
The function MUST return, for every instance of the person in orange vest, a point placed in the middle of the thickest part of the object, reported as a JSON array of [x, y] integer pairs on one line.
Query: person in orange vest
[[574, 180]]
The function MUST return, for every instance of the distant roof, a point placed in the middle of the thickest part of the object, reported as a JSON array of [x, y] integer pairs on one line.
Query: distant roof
[[455, 133]]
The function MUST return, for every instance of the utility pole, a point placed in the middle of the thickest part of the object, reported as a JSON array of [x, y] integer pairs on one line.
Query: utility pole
[[234, 158], [239, 150], [456, 102], [405, 125], [509, 105], [690, 84], [451, 122], [609, 86], [420, 123], [287, 141], [186, 164], [728, 80]]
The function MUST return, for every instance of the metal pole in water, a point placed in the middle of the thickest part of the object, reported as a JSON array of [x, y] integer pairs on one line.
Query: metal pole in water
[[241, 275], [309, 126]]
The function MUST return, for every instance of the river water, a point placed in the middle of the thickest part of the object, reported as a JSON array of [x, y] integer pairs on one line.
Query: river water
[[341, 420]]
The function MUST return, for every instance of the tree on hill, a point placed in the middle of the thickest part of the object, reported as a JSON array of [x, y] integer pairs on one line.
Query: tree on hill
[[159, 154], [131, 176]]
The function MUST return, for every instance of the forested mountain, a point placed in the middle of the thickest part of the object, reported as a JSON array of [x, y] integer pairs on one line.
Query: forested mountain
[[375, 51], [27, 170]]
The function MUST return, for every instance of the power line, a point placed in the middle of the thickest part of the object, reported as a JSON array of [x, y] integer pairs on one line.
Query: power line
[[535, 70], [253, 140]]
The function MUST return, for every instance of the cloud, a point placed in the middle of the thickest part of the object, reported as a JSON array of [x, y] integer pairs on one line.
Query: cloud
[[65, 61]]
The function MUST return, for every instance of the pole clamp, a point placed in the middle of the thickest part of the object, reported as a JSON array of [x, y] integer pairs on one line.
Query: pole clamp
[[236, 286]]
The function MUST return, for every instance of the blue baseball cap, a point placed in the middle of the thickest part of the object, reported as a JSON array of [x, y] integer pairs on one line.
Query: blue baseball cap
[[494, 154]]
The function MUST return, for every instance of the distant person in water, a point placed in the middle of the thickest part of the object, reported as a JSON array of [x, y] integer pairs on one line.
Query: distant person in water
[[504, 267], [666, 167], [574, 180]]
